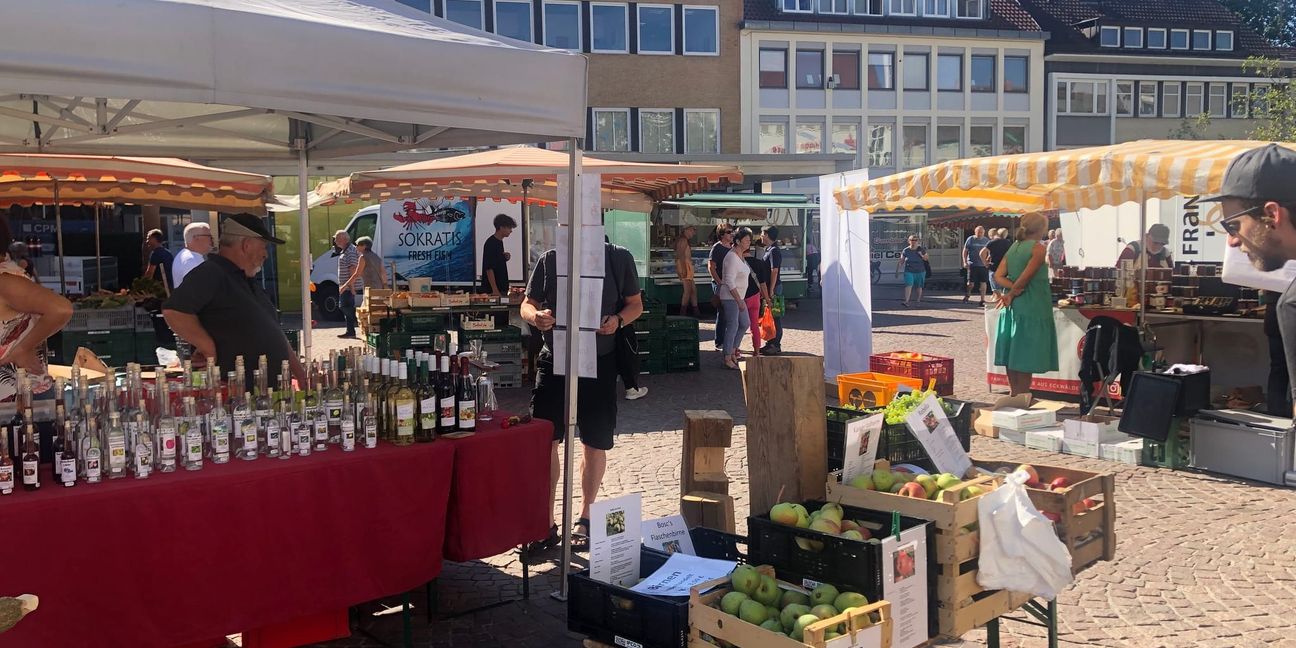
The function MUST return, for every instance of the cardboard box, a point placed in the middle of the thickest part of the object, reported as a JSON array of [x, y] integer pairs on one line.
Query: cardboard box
[[1080, 448], [1092, 429], [1023, 419], [1050, 440], [1127, 452], [985, 425], [1012, 436]]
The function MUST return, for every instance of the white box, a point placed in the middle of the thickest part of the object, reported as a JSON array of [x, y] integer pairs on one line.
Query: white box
[[1080, 448], [1015, 418], [1050, 440], [1091, 429], [1126, 452], [1012, 436]]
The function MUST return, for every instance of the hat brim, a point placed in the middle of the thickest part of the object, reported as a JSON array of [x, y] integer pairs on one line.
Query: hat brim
[[1214, 198]]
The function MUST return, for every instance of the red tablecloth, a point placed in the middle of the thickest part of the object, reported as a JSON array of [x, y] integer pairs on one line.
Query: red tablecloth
[[184, 557], [500, 495]]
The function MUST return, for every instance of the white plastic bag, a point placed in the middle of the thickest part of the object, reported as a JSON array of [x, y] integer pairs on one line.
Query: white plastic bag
[[1019, 550]]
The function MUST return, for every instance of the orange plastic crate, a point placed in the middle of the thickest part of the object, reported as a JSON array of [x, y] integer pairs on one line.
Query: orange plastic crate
[[871, 389]]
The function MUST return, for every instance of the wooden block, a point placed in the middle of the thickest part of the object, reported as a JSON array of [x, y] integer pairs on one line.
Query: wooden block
[[709, 428], [786, 429], [712, 510], [706, 435]]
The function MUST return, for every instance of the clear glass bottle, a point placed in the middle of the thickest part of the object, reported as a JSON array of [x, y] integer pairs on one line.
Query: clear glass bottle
[[405, 409], [429, 408], [393, 386], [17, 423], [376, 387], [167, 430], [467, 397], [262, 402], [66, 462], [318, 413], [302, 429], [191, 437], [142, 456], [333, 397], [369, 422], [92, 458], [248, 434], [348, 425], [115, 439], [273, 431], [283, 415], [354, 387], [6, 467]]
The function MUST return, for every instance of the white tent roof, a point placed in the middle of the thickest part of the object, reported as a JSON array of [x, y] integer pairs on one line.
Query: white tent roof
[[246, 79]]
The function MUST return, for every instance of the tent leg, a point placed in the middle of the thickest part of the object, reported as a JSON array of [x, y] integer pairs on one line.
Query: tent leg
[[98, 254], [303, 240], [573, 353], [58, 233], [1142, 315]]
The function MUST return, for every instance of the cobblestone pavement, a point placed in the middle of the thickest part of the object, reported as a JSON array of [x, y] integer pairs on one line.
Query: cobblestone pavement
[[1201, 560]]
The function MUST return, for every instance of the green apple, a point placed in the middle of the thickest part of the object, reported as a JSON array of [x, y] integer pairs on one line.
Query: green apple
[[832, 511], [803, 516], [785, 513], [831, 635], [732, 601], [807, 544], [849, 525], [798, 628], [853, 534], [928, 484], [824, 611], [825, 594], [768, 592], [848, 600], [791, 613], [970, 492], [792, 596], [882, 480], [772, 625], [947, 481], [895, 487], [826, 525], [745, 579], [864, 481], [752, 612]]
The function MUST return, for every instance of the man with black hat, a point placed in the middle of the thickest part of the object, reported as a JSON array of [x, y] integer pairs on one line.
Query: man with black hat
[[1155, 243], [1258, 200], [223, 313]]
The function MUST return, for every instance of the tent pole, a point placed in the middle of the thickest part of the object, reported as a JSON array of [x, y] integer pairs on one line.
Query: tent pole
[[303, 240], [58, 232], [574, 222], [1142, 315], [98, 255], [526, 227]]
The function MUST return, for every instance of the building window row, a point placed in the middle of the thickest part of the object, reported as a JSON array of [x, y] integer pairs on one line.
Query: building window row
[[1159, 98], [964, 9], [880, 71], [1160, 38], [655, 130], [919, 144]]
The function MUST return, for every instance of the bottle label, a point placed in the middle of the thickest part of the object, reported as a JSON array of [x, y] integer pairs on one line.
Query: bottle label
[[303, 433], [248, 430], [321, 429], [405, 419], [92, 462], [167, 439], [29, 472], [428, 413], [193, 446], [371, 432], [6, 478], [116, 454], [143, 461], [348, 434], [334, 411], [448, 413], [67, 471], [467, 414], [220, 438], [272, 433]]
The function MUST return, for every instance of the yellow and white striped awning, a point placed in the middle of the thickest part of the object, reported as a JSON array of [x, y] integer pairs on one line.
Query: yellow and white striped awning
[[1064, 180]]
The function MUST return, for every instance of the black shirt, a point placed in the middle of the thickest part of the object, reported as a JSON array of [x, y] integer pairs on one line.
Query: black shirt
[[998, 248], [493, 259], [620, 280], [774, 257], [235, 312], [760, 274], [718, 252], [162, 258]]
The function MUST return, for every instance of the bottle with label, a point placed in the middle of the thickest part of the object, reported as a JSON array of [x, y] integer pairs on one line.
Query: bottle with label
[[369, 423], [283, 411], [348, 425], [142, 456], [191, 437], [319, 413], [92, 458], [66, 461], [333, 401], [429, 411], [273, 430], [167, 431], [115, 438], [30, 461], [389, 399], [218, 430], [405, 409], [17, 423], [353, 384], [302, 430], [377, 380], [6, 467], [262, 402], [446, 394], [467, 397], [248, 435]]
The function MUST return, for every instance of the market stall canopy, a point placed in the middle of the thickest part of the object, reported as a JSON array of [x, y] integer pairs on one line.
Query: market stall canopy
[[1063, 180], [32, 178], [255, 80], [500, 173]]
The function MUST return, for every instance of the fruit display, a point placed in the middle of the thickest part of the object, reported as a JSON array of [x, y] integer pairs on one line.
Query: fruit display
[[827, 519]]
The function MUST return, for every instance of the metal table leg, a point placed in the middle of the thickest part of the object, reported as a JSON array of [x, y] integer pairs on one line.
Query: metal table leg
[[992, 633]]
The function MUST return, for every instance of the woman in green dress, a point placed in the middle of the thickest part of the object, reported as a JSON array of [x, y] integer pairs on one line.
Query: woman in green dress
[[1027, 340]]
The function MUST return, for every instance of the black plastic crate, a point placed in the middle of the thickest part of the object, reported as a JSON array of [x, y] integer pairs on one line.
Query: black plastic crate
[[608, 612], [681, 323], [896, 444], [850, 565]]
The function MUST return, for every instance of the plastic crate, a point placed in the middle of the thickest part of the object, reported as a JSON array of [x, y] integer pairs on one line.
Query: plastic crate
[[143, 321], [397, 343], [422, 321], [293, 336], [505, 334], [113, 347], [617, 616], [871, 388], [923, 367], [681, 323], [851, 565], [146, 348], [896, 444], [119, 320], [682, 363]]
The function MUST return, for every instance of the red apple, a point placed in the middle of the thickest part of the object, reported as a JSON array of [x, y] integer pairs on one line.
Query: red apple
[[1036, 485], [865, 532], [1079, 508], [1090, 503], [914, 490], [1052, 516], [1059, 482], [1030, 470]]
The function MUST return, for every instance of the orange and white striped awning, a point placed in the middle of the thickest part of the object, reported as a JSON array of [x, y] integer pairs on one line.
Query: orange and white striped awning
[[42, 178], [1085, 178]]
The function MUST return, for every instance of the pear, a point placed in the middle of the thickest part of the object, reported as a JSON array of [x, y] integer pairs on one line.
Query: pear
[[803, 516], [785, 513], [732, 602], [864, 482], [772, 625], [752, 612], [848, 600], [768, 592], [853, 534], [792, 596], [882, 480], [825, 594], [947, 481], [791, 613], [824, 611], [745, 579], [832, 511], [928, 484], [798, 628]]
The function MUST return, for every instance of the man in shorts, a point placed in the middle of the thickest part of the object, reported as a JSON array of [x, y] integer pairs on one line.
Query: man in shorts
[[913, 262], [596, 411], [684, 270]]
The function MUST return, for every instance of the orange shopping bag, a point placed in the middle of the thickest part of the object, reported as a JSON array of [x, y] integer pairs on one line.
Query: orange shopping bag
[[767, 328]]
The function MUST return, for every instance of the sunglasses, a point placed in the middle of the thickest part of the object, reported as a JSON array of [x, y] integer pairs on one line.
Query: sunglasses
[[1233, 224]]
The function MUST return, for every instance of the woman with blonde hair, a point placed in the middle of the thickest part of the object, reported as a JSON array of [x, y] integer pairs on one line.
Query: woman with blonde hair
[[1027, 340]]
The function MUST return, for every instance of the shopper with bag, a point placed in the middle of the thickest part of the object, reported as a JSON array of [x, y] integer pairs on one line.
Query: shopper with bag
[[733, 285], [757, 297], [715, 266]]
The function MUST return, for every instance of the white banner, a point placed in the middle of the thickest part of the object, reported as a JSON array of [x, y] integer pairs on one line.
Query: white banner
[[846, 281]]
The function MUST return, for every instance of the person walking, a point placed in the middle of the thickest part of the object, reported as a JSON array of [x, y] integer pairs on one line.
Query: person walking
[[913, 263], [198, 244], [994, 252], [1027, 340], [758, 296], [812, 263], [684, 270], [158, 260], [1056, 251], [495, 277], [348, 259], [978, 278], [733, 286], [370, 267], [774, 257], [715, 265]]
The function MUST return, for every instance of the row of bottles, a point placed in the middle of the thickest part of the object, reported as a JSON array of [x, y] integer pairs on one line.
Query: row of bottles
[[349, 402]]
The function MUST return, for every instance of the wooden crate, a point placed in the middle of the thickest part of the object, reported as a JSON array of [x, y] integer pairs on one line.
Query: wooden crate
[[869, 626]]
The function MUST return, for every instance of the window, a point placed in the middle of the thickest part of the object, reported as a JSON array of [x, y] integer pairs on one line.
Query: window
[[1156, 38], [809, 137], [611, 129], [1147, 99], [609, 25], [809, 69], [1178, 39], [845, 138], [1260, 99], [881, 145], [981, 140], [834, 6], [1109, 36], [562, 28], [936, 8], [948, 143], [701, 30], [656, 131], [1124, 98], [1193, 93], [1016, 73], [916, 74], [656, 29], [983, 74], [969, 8], [949, 72], [1201, 39], [701, 131], [513, 19], [915, 146], [904, 7], [1014, 140], [465, 12], [798, 6], [1170, 99], [1133, 37], [1082, 98], [1217, 100], [1241, 100], [869, 7], [1224, 41], [880, 71], [773, 137], [845, 69], [773, 68]]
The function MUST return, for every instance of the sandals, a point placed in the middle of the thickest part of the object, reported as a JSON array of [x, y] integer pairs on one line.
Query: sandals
[[580, 540], [540, 546]]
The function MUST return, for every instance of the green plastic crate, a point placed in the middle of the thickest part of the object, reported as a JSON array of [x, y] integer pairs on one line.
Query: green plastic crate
[[145, 348], [676, 363], [114, 348], [681, 322], [397, 343], [506, 334], [423, 322], [682, 347]]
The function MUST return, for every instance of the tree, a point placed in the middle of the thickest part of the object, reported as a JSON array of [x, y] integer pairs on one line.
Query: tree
[[1275, 20], [1193, 128], [1273, 106]]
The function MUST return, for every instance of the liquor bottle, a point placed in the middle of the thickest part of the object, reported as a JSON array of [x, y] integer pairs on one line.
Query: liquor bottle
[[262, 403], [6, 467], [66, 462], [191, 437], [374, 399], [389, 409], [92, 458], [245, 415], [283, 410], [31, 461], [272, 429], [128, 418], [429, 406], [302, 429], [318, 413], [142, 456], [405, 409], [353, 384], [333, 397], [115, 438], [167, 430], [17, 423], [369, 422], [348, 425], [467, 397]]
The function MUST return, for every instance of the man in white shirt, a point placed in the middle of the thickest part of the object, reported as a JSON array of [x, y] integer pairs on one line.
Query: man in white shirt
[[198, 243]]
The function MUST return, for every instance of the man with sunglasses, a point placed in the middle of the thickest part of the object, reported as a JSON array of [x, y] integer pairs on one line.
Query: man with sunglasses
[[1258, 199]]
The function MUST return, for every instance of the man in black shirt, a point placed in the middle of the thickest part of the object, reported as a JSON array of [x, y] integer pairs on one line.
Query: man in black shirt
[[994, 252], [495, 278], [724, 241], [774, 257], [223, 313]]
